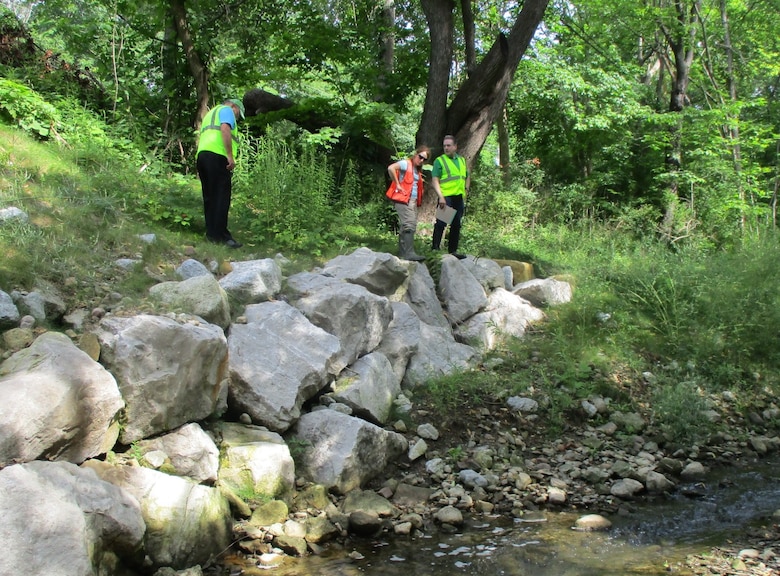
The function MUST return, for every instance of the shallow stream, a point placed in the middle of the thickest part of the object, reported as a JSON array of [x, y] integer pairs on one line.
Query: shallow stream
[[647, 541]]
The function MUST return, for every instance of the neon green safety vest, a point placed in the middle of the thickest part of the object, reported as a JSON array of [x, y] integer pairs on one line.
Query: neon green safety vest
[[211, 134], [453, 176]]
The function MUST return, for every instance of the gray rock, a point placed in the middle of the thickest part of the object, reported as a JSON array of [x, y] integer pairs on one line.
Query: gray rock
[[61, 519], [505, 316], [368, 387], [592, 523], [9, 313], [253, 281], [378, 272], [626, 488], [439, 355], [13, 214], [56, 403], [343, 452], [200, 295], [182, 531], [421, 296], [461, 292], [191, 268], [357, 317], [278, 360], [449, 515], [169, 373], [544, 292]]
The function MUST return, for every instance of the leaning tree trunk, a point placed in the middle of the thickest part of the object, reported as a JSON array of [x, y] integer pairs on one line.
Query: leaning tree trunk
[[198, 70], [480, 100]]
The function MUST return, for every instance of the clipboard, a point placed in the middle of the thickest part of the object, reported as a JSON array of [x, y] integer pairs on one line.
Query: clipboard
[[446, 214]]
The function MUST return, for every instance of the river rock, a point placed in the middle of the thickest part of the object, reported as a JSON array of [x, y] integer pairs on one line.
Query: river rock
[[449, 515], [591, 523], [693, 471], [626, 488]]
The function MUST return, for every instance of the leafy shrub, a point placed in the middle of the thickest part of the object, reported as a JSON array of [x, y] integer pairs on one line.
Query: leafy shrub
[[25, 107]]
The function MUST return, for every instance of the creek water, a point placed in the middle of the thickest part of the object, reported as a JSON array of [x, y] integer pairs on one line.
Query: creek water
[[646, 541]]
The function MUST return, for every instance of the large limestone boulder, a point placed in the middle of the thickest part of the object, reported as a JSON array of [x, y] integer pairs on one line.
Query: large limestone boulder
[[544, 292], [421, 296], [505, 315], [378, 272], [62, 520], [200, 295], [357, 317], [368, 387], [278, 360], [401, 340], [56, 403], [461, 292], [169, 372], [253, 281], [186, 523], [188, 451], [438, 355], [255, 461], [342, 452]]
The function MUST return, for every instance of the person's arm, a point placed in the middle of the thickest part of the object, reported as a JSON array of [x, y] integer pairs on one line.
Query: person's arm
[[394, 170], [435, 182], [227, 140]]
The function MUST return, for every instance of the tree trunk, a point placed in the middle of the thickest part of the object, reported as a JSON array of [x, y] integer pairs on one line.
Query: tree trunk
[[197, 68], [386, 48], [439, 14], [479, 101], [503, 147]]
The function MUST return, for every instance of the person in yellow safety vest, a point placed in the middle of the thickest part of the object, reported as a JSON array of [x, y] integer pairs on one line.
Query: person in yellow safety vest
[[217, 148], [406, 192], [451, 182]]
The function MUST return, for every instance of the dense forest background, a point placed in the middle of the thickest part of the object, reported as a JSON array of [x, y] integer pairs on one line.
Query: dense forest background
[[661, 117]]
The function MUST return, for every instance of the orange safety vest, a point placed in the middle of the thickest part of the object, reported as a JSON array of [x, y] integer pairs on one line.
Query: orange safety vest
[[404, 193]]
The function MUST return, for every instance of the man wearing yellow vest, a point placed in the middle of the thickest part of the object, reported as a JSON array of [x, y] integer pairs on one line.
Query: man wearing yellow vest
[[217, 148], [451, 182]]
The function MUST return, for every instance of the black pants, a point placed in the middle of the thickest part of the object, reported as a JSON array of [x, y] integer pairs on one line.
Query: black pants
[[216, 182], [453, 239]]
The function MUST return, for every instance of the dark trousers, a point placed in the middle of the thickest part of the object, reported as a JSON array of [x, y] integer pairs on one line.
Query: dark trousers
[[216, 182], [454, 236]]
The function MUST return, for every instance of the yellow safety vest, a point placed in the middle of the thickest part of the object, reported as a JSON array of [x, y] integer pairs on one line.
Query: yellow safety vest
[[211, 134], [453, 175]]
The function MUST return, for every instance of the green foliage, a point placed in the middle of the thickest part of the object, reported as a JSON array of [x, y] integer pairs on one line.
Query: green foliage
[[26, 108], [680, 410]]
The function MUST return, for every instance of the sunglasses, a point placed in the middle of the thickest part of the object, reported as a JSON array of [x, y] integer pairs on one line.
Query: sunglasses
[[421, 157]]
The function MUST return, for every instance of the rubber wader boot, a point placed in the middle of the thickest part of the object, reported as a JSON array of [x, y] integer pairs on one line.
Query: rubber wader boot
[[406, 246]]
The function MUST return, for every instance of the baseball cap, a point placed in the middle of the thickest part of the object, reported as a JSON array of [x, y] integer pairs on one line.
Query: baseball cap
[[240, 106]]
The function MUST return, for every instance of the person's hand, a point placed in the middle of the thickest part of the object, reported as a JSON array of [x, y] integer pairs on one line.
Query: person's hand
[[231, 163], [442, 203]]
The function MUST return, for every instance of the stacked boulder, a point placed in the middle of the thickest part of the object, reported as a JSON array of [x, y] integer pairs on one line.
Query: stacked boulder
[[157, 430]]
